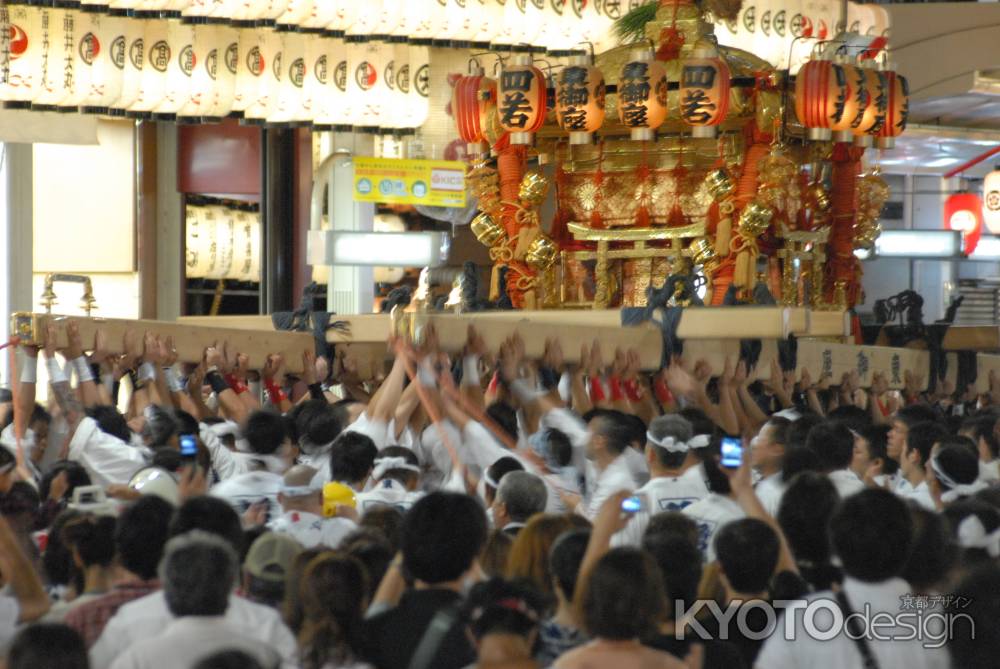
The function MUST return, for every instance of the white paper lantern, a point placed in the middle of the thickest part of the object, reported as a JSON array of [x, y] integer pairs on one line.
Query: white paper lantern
[[362, 77], [255, 75], [317, 84], [991, 202], [249, 66], [197, 9], [341, 113], [344, 13], [534, 18], [135, 57], [245, 264], [20, 53], [397, 99], [57, 55], [199, 242], [291, 105], [158, 53], [106, 51], [365, 19], [419, 71], [225, 237], [421, 19], [297, 13], [180, 68], [322, 14], [207, 63]]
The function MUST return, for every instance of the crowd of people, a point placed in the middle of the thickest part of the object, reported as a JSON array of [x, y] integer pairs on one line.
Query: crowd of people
[[488, 510]]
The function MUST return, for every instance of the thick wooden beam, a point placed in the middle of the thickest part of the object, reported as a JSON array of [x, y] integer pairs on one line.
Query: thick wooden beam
[[821, 358], [972, 338], [829, 324], [190, 340]]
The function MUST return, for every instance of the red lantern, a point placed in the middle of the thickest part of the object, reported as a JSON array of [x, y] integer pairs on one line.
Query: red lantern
[[580, 97], [854, 104], [704, 92], [820, 95], [897, 109], [522, 101], [871, 112], [472, 99], [964, 212]]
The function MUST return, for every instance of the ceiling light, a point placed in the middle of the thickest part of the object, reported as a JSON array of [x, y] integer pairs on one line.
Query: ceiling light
[[384, 249]]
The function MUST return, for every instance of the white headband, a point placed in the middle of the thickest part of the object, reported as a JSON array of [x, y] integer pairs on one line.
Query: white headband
[[674, 446], [383, 465], [972, 534], [297, 490], [956, 490]]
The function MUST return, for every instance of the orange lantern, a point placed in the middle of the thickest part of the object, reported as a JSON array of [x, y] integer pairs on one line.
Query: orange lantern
[[897, 109], [470, 103], [580, 96], [642, 95], [820, 94], [854, 103], [704, 92], [522, 99], [964, 212], [872, 110]]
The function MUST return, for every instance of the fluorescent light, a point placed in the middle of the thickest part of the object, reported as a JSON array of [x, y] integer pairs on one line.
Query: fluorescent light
[[919, 244], [942, 162], [863, 254], [384, 249], [988, 248]]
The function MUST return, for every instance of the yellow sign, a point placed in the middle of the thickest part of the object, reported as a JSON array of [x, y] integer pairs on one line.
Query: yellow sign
[[436, 183]]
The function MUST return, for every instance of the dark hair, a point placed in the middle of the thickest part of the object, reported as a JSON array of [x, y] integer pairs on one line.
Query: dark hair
[[229, 659], [198, 573], [679, 561], [76, 476], [614, 430], [352, 457], [498, 470], [38, 412], [955, 461], [374, 551], [921, 438], [911, 414], [700, 422], [57, 560], [404, 476], [853, 417], [505, 416], [47, 646], [872, 534], [747, 551], [334, 591], [141, 533], [833, 445], [676, 524], [93, 539], [159, 427], [877, 437], [977, 598], [670, 426], [558, 449], [716, 479], [504, 607], [110, 421], [21, 500], [804, 515], [211, 515], [798, 431], [442, 536], [316, 424], [983, 427], [566, 557], [636, 429], [265, 431], [934, 551], [780, 428], [625, 598], [386, 520]]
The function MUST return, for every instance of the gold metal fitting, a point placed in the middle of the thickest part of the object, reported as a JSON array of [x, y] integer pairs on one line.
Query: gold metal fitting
[[534, 188], [487, 230], [542, 253], [720, 185], [755, 219], [703, 253]]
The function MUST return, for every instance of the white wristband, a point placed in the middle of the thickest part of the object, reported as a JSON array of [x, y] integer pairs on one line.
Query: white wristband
[[425, 373], [83, 371], [174, 382], [147, 372], [523, 390], [29, 371], [56, 373], [470, 371]]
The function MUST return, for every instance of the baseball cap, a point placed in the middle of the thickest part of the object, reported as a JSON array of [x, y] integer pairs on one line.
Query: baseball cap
[[271, 556]]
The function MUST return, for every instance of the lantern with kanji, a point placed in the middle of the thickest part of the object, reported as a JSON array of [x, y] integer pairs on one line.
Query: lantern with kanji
[[642, 95], [580, 95], [991, 201], [521, 99], [897, 109], [473, 97], [704, 92], [964, 212], [854, 103], [820, 95], [871, 111]]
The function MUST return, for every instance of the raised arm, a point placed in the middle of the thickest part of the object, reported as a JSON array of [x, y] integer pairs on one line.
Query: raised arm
[[89, 393], [229, 402], [17, 569], [59, 382]]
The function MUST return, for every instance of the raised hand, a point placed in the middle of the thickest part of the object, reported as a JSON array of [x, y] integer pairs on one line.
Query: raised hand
[[74, 348]]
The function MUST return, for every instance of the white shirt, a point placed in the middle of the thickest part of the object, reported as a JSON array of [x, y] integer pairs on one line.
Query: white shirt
[[615, 477], [188, 640], [376, 430], [711, 514], [989, 471], [147, 618], [388, 492], [434, 456], [663, 493], [769, 491], [10, 611], [846, 482], [841, 652], [311, 530], [225, 462], [922, 496], [243, 490], [8, 439], [106, 458], [637, 465]]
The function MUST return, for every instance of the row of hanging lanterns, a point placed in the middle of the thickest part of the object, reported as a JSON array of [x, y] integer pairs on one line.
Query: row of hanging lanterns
[[530, 25], [846, 102], [58, 59]]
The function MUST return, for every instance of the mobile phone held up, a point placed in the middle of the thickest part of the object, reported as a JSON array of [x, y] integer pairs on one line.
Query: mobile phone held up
[[732, 452], [189, 448], [634, 504]]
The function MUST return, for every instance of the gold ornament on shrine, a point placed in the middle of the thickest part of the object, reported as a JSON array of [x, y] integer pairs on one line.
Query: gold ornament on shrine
[[722, 188], [580, 98], [642, 95], [533, 189], [542, 254], [487, 230]]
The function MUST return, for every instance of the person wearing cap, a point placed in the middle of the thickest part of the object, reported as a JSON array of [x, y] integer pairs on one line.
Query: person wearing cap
[[670, 452], [302, 512], [266, 568], [397, 480], [198, 572]]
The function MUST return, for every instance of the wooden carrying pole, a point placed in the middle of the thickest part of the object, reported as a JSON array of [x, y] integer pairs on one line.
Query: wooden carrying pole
[[190, 340]]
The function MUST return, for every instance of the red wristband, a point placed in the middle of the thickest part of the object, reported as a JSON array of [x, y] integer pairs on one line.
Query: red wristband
[[237, 385], [616, 389], [663, 394], [494, 382], [596, 390], [274, 392], [632, 390], [881, 407]]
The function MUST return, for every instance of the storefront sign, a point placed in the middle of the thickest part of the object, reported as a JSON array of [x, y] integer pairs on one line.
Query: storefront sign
[[436, 183]]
